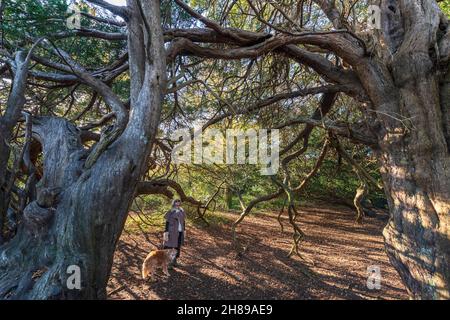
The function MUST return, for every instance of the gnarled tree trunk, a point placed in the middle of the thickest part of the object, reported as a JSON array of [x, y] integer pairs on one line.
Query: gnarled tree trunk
[[409, 89], [80, 212], [416, 173], [83, 199]]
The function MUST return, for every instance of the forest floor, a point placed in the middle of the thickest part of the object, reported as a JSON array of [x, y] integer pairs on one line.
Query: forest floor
[[336, 254]]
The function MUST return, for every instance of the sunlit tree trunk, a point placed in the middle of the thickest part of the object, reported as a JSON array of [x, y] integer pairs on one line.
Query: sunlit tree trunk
[[409, 88]]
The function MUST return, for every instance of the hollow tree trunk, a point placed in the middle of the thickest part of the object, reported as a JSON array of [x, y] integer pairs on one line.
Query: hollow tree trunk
[[79, 213], [409, 88]]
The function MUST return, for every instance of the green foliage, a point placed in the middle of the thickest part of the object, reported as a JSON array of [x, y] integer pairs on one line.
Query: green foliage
[[226, 86], [137, 224], [32, 18], [445, 7], [26, 20]]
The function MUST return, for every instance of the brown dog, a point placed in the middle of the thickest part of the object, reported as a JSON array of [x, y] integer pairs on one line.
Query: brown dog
[[155, 259]]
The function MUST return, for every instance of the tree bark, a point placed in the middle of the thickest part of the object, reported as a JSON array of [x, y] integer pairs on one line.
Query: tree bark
[[80, 212], [8, 121], [80, 209], [228, 198], [407, 83], [416, 175]]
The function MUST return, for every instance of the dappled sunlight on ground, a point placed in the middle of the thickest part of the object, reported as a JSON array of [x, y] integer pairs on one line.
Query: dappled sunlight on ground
[[336, 253]]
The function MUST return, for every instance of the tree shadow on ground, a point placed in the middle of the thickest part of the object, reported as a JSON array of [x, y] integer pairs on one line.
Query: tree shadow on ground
[[336, 258]]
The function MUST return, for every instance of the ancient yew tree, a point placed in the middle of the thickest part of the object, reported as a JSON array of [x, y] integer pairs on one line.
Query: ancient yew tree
[[70, 184]]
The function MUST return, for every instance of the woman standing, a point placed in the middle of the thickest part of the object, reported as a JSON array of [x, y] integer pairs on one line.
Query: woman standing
[[175, 231]]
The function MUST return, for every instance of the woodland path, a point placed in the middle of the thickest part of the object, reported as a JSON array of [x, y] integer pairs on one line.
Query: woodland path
[[336, 254]]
